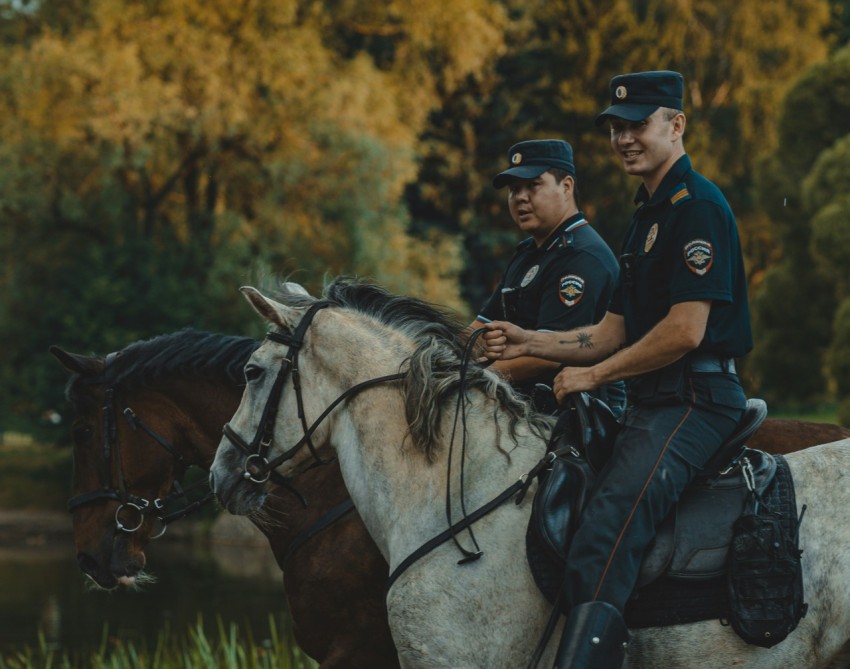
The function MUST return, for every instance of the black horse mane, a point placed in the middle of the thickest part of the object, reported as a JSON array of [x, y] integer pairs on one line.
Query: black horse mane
[[187, 353]]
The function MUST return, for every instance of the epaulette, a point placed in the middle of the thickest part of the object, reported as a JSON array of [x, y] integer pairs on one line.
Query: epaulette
[[680, 194]]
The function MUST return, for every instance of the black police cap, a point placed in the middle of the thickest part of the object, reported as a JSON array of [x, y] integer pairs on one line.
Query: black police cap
[[532, 158], [636, 96]]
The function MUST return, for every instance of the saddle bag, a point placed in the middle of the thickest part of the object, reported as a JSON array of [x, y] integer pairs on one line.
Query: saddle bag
[[765, 576]]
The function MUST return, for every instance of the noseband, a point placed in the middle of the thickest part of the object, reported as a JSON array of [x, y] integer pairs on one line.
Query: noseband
[[257, 467], [132, 508]]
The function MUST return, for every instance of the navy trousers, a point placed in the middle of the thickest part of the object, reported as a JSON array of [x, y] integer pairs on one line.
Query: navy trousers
[[659, 451]]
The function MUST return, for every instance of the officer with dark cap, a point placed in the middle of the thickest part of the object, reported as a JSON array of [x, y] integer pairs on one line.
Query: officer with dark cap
[[563, 274], [677, 320]]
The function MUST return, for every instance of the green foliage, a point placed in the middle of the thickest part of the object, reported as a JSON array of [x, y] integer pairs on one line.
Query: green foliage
[[808, 173], [158, 154], [839, 353], [33, 476], [788, 356]]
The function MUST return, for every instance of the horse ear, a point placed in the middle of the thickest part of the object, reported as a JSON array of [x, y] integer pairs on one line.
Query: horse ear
[[295, 288], [75, 363], [274, 312]]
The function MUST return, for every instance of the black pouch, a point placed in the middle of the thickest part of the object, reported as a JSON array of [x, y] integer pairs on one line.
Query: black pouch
[[765, 577], [663, 386]]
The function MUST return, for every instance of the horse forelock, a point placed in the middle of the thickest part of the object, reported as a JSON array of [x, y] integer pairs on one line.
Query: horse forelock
[[187, 353]]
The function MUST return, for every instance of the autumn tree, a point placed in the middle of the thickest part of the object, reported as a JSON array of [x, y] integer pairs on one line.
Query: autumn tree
[[157, 154]]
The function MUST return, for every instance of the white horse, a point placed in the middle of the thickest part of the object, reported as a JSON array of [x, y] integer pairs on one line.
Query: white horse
[[394, 440]]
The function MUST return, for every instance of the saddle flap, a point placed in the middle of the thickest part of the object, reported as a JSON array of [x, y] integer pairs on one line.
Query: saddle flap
[[693, 542]]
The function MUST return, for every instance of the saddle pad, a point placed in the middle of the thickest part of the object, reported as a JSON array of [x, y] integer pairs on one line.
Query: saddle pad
[[666, 601], [673, 601]]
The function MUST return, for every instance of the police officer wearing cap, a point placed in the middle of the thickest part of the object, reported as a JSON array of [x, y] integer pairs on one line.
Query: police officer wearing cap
[[563, 275], [677, 320]]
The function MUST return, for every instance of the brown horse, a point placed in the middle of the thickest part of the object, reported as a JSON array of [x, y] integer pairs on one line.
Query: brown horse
[[145, 414], [180, 389]]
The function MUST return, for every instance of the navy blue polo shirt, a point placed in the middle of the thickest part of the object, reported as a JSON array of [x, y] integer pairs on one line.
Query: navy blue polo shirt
[[682, 245], [565, 283]]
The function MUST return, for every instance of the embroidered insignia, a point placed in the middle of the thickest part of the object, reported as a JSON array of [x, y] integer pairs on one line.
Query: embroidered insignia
[[650, 238], [699, 256], [680, 195], [620, 92], [529, 276], [571, 289], [516, 159]]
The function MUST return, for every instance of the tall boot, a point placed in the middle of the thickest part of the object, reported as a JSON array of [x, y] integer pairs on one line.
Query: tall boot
[[595, 637]]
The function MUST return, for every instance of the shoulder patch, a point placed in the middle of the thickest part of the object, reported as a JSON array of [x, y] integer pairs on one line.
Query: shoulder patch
[[699, 256], [571, 289], [680, 194]]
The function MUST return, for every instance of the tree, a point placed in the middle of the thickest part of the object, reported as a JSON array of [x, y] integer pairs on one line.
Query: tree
[[801, 185], [159, 153]]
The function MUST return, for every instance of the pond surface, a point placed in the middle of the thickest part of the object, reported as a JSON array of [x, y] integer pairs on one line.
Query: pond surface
[[42, 589]]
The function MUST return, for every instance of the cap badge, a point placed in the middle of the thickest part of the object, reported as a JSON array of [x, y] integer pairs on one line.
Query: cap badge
[[516, 159], [620, 92], [699, 256], [529, 276], [571, 289], [650, 238]]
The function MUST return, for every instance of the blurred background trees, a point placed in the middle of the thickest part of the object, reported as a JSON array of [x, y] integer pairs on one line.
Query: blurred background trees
[[157, 154]]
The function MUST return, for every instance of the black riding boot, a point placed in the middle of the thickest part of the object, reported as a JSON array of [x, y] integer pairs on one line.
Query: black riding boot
[[595, 637]]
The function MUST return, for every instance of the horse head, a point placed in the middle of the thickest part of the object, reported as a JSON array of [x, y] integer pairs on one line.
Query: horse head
[[271, 401], [135, 433], [115, 479]]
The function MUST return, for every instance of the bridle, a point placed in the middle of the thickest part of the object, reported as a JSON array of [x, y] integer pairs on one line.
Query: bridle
[[257, 467], [132, 509]]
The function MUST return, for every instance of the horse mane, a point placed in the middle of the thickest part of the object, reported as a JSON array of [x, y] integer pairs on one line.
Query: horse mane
[[187, 353], [435, 368]]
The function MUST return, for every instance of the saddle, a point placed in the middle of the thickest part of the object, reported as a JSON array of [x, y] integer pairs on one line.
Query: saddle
[[692, 544]]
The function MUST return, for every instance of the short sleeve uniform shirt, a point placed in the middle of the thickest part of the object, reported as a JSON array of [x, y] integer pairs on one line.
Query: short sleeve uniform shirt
[[682, 245]]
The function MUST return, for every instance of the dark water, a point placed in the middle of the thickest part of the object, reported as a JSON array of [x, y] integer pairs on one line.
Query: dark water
[[41, 588]]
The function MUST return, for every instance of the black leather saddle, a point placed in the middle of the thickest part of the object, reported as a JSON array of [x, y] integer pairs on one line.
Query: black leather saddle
[[693, 541]]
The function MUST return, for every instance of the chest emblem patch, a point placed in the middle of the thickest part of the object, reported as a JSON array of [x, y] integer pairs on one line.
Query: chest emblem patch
[[699, 256], [529, 276], [650, 238], [571, 289]]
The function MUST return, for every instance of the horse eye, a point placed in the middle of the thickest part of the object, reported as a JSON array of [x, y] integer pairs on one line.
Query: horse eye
[[252, 373]]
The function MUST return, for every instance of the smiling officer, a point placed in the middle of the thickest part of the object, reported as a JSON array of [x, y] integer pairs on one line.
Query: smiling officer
[[676, 322], [562, 276]]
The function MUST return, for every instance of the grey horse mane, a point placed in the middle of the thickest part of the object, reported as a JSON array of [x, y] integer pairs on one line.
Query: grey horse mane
[[434, 368]]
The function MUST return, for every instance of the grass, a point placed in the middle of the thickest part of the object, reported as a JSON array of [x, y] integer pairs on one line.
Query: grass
[[228, 649], [822, 413]]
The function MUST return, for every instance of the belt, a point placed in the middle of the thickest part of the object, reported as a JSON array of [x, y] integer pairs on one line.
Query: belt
[[706, 363]]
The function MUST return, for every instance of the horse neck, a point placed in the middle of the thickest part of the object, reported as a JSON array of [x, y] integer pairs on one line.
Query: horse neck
[[400, 495], [200, 408]]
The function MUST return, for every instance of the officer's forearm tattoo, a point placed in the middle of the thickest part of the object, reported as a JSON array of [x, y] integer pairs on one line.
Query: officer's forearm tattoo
[[582, 339]]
